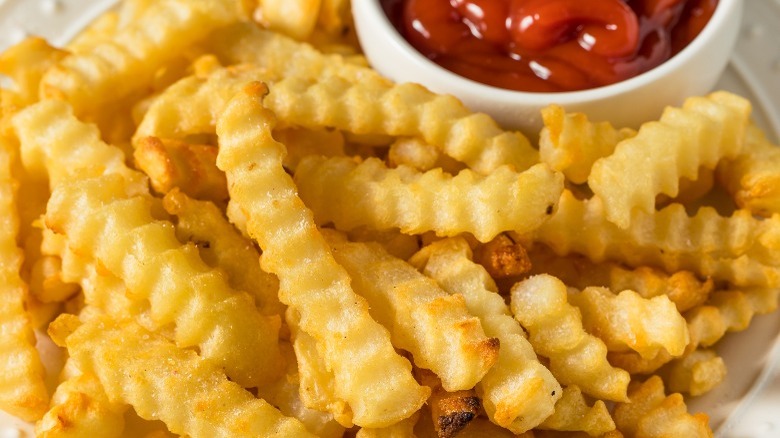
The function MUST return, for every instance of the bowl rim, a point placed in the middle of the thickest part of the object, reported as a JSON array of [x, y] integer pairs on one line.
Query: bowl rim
[[456, 83]]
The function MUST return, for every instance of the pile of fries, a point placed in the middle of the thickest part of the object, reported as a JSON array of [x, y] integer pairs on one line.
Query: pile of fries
[[234, 227]]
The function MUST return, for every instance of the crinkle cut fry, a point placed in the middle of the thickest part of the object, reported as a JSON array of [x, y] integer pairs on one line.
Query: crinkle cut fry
[[753, 177], [355, 347], [422, 318], [352, 194], [700, 133], [375, 105], [739, 249], [193, 104], [281, 56], [683, 288], [555, 330], [163, 382], [570, 143], [80, 407], [95, 177], [628, 322], [22, 389], [518, 392], [118, 231], [128, 61], [222, 246], [572, 414], [651, 413]]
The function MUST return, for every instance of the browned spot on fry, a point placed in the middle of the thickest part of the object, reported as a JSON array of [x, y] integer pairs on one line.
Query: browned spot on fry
[[503, 257]]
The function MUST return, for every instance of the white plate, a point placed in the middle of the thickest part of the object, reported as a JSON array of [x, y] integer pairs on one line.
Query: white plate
[[747, 404]]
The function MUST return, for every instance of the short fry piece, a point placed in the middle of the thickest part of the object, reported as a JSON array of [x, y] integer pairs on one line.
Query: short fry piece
[[295, 18], [423, 319], [352, 194], [555, 328], [700, 133], [354, 346], [518, 392], [163, 382], [696, 373], [651, 413], [628, 321], [572, 414]]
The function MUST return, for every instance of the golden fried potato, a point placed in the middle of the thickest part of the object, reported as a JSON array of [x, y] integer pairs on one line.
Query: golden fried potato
[[651, 413], [626, 321], [700, 133], [739, 249], [572, 414], [570, 143], [753, 177], [683, 288], [696, 373], [555, 330], [354, 346], [164, 382], [127, 62], [432, 325], [374, 105], [518, 392], [295, 18], [22, 389], [222, 246], [368, 193], [192, 168]]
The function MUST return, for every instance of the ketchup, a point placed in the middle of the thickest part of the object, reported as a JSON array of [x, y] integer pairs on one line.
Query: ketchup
[[549, 45]]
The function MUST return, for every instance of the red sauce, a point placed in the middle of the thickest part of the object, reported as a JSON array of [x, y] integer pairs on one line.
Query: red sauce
[[549, 45]]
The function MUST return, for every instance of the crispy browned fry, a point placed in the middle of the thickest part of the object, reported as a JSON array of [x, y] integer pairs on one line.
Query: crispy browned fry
[[192, 168], [46, 283], [450, 411], [651, 413], [739, 249], [753, 177], [683, 288], [502, 257]]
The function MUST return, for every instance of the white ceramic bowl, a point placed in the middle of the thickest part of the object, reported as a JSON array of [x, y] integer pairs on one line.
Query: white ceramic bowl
[[693, 71]]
